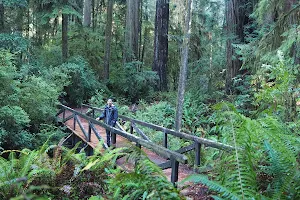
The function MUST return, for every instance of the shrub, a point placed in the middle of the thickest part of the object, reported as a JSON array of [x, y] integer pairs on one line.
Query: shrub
[[38, 98], [13, 120], [132, 83], [8, 84], [83, 82]]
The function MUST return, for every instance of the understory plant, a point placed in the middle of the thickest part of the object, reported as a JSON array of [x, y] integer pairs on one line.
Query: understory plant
[[56, 172], [264, 163]]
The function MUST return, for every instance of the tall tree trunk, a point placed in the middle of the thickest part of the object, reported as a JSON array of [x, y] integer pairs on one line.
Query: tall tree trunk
[[65, 36], [108, 33], [20, 20], [293, 21], [131, 47], [87, 13], [184, 66], [93, 15], [235, 18], [1, 17], [161, 43]]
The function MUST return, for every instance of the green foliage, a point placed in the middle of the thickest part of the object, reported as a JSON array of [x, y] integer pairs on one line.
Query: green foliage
[[132, 83], [15, 43], [240, 172], [90, 45], [277, 89], [55, 172], [8, 84], [146, 181], [38, 98], [83, 82], [13, 118]]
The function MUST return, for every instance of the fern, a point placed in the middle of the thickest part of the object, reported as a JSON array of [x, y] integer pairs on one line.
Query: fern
[[225, 193], [146, 181], [253, 140]]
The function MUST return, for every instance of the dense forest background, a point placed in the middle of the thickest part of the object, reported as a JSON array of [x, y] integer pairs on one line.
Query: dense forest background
[[227, 70]]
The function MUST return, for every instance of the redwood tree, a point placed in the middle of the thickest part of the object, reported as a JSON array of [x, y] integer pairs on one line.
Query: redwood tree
[[1, 17], [235, 22], [108, 33], [87, 13], [65, 19], [161, 43], [184, 65], [131, 47]]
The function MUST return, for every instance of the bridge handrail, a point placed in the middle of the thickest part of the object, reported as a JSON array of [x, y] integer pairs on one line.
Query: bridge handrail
[[162, 151], [206, 142]]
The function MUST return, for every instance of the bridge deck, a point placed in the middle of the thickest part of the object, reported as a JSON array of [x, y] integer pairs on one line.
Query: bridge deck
[[183, 170]]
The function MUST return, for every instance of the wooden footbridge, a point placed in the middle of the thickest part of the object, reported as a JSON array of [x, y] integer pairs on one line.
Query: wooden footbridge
[[90, 132]]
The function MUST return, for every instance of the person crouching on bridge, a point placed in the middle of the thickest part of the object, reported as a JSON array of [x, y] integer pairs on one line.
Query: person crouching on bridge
[[110, 114]]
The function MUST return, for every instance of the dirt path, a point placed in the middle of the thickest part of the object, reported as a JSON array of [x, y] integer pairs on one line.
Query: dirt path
[[191, 191]]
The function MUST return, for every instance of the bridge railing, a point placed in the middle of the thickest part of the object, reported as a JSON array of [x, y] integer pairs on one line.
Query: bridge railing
[[174, 157], [197, 142]]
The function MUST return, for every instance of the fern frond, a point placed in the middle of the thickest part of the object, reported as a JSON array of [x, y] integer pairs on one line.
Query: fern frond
[[281, 169], [224, 192]]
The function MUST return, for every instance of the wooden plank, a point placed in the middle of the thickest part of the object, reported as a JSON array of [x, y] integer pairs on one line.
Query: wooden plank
[[182, 150], [206, 142], [68, 118], [165, 165], [82, 129], [59, 112], [120, 127], [189, 137], [166, 153], [140, 132], [98, 135], [186, 149], [76, 136]]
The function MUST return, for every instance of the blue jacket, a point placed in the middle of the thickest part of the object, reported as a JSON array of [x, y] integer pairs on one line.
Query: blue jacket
[[110, 114]]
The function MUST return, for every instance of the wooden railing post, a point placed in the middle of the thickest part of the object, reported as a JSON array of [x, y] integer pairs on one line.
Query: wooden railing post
[[89, 132], [197, 153], [89, 151], [138, 145], [131, 128], [93, 113], [174, 173], [64, 114], [74, 123], [165, 139]]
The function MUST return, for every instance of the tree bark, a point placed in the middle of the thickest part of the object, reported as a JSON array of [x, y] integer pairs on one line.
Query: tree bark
[[235, 18], [161, 43], [108, 33], [184, 66], [294, 20], [87, 13], [1, 17], [65, 36], [131, 47]]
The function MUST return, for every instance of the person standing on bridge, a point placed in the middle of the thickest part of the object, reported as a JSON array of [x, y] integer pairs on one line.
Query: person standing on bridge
[[110, 115]]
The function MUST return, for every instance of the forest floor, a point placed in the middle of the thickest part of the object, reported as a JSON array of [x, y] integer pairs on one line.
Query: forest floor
[[189, 190]]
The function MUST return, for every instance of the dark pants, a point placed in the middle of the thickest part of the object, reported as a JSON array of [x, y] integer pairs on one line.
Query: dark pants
[[108, 136]]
